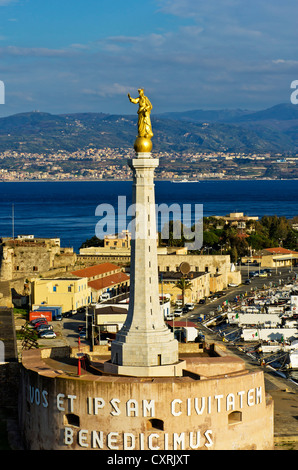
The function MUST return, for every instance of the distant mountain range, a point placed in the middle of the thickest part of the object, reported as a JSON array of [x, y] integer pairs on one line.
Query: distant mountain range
[[272, 130]]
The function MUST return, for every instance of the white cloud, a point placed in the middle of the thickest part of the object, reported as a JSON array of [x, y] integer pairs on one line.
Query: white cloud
[[33, 51], [108, 90], [3, 3]]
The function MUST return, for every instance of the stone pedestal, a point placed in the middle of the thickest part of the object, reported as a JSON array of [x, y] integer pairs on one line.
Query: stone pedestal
[[145, 345]]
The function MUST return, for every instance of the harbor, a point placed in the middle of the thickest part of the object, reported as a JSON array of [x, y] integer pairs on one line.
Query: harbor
[[281, 381], [259, 320]]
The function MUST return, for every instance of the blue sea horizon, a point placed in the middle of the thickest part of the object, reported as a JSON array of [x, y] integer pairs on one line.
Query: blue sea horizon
[[66, 210]]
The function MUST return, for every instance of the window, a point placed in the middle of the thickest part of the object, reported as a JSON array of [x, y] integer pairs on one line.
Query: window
[[155, 424], [69, 288], [235, 417], [54, 288], [71, 419]]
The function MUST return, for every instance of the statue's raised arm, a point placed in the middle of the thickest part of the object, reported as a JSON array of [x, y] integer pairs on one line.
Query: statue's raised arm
[[144, 121], [132, 100]]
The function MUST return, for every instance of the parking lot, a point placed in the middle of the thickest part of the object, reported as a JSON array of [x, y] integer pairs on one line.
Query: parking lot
[[67, 332]]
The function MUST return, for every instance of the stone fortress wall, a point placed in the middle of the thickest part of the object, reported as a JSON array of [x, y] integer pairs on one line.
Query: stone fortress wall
[[216, 405]]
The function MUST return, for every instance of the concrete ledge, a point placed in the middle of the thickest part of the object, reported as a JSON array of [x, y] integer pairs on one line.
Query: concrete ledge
[[209, 367], [168, 370]]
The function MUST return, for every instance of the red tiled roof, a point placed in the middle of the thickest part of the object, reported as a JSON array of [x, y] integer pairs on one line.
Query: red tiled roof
[[96, 270], [280, 250], [108, 281]]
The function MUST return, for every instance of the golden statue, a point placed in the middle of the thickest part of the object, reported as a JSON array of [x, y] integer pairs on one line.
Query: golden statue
[[143, 142]]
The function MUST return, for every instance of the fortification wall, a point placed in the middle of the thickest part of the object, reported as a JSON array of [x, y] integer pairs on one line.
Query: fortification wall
[[58, 411]]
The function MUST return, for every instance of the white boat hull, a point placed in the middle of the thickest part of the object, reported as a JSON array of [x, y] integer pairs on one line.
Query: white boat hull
[[294, 359]]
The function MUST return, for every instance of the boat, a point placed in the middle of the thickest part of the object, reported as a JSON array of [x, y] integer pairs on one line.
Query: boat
[[293, 359], [293, 355], [185, 181]]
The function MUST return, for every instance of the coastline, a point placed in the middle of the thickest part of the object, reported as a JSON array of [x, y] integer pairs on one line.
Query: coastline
[[83, 180]]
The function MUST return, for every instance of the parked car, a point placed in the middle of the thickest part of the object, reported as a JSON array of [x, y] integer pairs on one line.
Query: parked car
[[170, 316], [190, 305], [104, 296], [81, 310], [36, 320], [47, 334], [178, 312], [202, 301], [44, 328], [42, 322], [233, 285], [67, 314]]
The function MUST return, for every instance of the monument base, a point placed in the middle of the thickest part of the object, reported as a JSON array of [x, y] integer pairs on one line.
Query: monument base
[[168, 370]]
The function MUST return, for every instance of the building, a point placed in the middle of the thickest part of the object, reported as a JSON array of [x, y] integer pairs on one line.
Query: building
[[275, 258], [219, 267], [109, 317], [199, 285], [121, 240], [26, 256], [105, 277], [69, 292], [237, 219]]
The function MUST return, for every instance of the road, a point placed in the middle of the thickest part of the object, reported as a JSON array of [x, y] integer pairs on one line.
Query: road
[[210, 308], [68, 334]]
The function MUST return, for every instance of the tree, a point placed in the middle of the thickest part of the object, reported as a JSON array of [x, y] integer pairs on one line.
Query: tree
[[94, 241], [183, 284]]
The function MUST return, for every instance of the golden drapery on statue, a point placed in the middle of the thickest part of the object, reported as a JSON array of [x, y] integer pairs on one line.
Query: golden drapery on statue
[[143, 142]]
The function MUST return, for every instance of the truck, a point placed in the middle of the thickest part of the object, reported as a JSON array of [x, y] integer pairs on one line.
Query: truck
[[55, 309], [190, 333], [43, 314]]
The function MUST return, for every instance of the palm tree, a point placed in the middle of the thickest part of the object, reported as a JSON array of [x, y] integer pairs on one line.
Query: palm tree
[[183, 284]]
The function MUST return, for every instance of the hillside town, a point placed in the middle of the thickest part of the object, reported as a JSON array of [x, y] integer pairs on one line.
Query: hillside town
[[110, 163]]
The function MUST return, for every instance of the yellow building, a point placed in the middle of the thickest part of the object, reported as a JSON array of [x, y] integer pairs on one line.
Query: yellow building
[[69, 292], [278, 257], [199, 283], [121, 240]]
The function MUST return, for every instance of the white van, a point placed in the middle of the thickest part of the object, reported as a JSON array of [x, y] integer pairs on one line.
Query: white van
[[104, 296]]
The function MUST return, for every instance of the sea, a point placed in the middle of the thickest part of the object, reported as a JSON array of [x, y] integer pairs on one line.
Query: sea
[[72, 210]]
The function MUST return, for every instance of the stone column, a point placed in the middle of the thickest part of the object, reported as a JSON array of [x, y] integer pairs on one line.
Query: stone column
[[144, 345]]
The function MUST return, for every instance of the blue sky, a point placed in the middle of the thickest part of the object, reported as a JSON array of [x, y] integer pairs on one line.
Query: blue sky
[[85, 56]]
